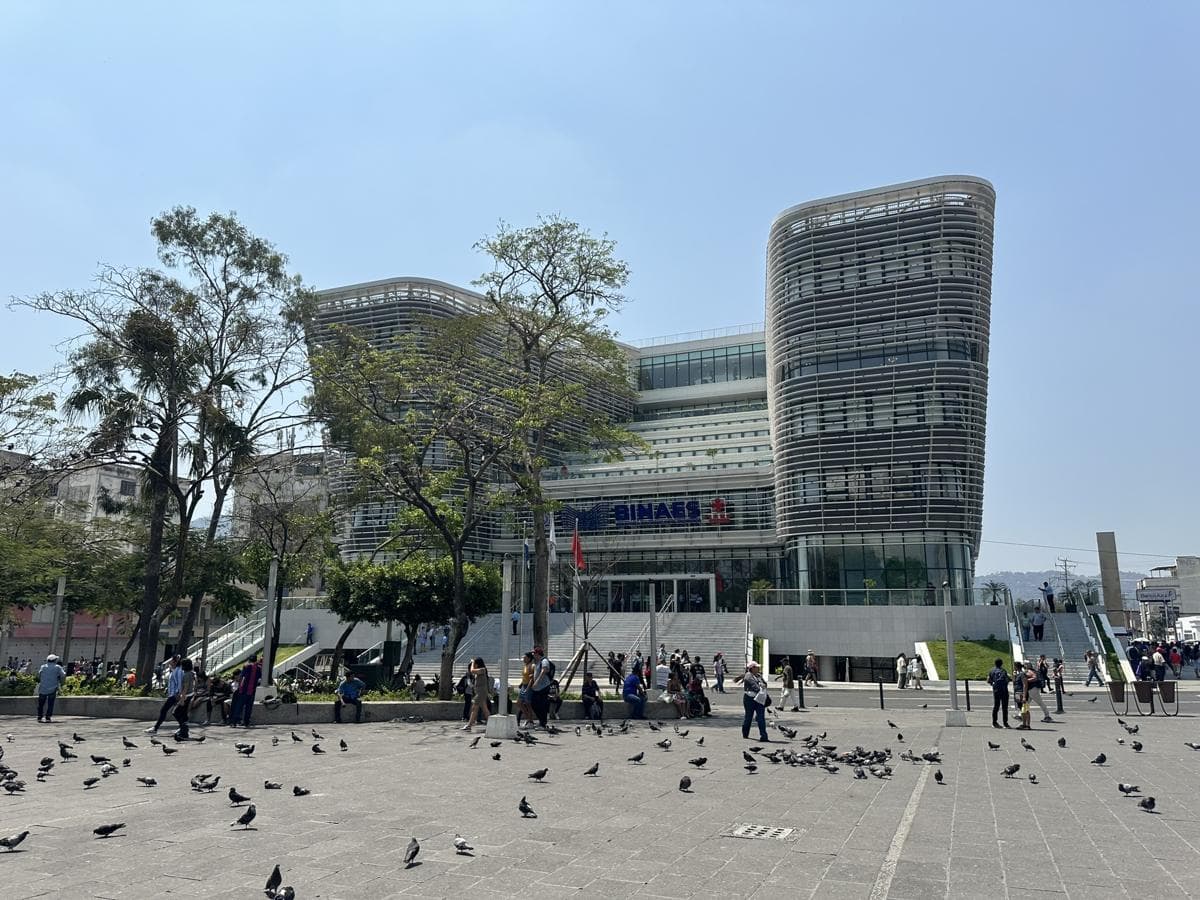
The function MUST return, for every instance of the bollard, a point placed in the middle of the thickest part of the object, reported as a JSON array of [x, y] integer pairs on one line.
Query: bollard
[[967, 689], [800, 694], [881, 693], [1058, 707]]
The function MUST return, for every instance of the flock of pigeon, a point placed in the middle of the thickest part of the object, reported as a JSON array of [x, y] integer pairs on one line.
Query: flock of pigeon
[[813, 751]]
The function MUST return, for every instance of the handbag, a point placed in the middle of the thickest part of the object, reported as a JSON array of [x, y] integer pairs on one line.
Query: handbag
[[762, 698]]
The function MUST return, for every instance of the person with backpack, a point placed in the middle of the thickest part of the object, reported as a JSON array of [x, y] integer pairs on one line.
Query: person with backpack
[[998, 679], [539, 689]]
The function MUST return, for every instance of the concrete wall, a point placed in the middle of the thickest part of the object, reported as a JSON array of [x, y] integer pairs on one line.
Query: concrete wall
[[868, 630]]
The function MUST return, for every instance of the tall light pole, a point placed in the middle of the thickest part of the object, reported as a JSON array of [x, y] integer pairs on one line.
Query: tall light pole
[[269, 623], [59, 595], [954, 715], [502, 725]]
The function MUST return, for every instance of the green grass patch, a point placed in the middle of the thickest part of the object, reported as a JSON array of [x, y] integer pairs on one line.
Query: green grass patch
[[972, 659], [1115, 672]]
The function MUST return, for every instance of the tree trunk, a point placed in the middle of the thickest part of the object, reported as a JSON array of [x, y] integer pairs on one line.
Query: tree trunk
[[337, 650], [210, 537], [133, 635], [274, 648], [67, 640], [410, 638], [458, 627], [148, 643]]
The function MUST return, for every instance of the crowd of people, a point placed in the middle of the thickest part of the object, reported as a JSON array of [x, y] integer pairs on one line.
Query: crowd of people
[[1155, 661]]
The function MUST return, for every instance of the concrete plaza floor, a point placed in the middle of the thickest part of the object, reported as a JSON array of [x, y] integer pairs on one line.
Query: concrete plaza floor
[[627, 832]]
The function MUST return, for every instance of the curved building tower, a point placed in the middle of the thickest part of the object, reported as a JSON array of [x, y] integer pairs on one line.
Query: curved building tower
[[878, 305]]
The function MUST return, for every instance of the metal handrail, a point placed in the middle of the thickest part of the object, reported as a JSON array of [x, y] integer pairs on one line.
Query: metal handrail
[[1014, 627], [926, 596]]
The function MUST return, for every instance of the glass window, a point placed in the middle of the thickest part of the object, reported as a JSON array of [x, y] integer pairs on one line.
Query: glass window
[[760, 363]]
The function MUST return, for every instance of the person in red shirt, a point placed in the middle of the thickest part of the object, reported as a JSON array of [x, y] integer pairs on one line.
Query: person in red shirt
[[243, 694]]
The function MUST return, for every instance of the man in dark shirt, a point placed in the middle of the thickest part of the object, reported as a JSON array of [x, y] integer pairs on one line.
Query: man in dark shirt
[[634, 696], [998, 679], [593, 705]]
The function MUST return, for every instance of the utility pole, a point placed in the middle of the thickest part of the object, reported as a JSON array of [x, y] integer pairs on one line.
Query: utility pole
[[1066, 567]]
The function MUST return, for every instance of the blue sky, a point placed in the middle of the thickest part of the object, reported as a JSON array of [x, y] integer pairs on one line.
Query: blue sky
[[369, 140]]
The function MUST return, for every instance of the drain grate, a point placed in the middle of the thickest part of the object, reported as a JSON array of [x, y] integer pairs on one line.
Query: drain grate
[[759, 832]]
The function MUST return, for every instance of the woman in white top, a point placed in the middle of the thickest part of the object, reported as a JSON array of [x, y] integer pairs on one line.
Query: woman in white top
[[915, 673], [901, 670]]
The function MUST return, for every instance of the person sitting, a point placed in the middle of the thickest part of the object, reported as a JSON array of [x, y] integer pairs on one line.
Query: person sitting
[[554, 698], [676, 696], [418, 687], [634, 696], [593, 705], [218, 690], [348, 694], [695, 695]]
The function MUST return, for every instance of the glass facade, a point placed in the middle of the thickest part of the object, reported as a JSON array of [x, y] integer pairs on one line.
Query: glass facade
[[859, 563], [709, 366]]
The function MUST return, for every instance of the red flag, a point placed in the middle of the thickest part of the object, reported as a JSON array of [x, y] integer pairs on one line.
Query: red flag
[[577, 551]]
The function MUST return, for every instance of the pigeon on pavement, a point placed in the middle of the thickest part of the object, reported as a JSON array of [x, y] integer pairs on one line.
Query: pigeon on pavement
[[273, 881], [1010, 771], [1128, 789], [539, 774], [410, 853], [298, 791], [236, 799], [593, 769], [685, 784], [13, 840], [461, 847], [526, 810], [637, 758], [245, 818], [698, 762], [148, 782], [1147, 804], [272, 785], [107, 830], [1100, 760]]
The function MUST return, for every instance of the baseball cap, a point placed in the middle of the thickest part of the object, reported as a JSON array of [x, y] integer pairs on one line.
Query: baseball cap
[[51, 658]]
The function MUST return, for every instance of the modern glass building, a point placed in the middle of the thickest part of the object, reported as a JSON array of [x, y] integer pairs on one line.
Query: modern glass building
[[837, 448], [878, 307]]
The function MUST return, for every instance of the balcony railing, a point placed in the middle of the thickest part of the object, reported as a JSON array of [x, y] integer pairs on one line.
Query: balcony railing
[[869, 597]]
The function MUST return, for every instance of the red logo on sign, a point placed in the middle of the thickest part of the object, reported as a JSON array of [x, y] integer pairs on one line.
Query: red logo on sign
[[718, 512]]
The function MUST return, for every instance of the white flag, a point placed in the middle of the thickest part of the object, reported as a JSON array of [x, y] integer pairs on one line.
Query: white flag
[[553, 542]]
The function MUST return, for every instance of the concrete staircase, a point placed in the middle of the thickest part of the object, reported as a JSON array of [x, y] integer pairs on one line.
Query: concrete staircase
[[1065, 637]]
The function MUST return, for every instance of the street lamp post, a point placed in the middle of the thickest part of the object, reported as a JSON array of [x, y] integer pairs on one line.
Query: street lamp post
[[955, 717], [502, 726]]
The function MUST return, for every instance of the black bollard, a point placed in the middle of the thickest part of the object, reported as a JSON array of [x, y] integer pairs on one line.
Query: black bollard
[[967, 688], [881, 693], [800, 694], [1058, 707]]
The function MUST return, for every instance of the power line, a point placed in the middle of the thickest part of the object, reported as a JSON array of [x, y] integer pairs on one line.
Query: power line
[[1083, 549]]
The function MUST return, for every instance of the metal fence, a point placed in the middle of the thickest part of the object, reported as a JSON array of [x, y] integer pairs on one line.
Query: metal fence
[[872, 597]]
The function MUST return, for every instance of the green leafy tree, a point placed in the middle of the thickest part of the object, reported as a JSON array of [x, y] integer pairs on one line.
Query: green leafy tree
[[548, 295], [183, 373], [995, 591]]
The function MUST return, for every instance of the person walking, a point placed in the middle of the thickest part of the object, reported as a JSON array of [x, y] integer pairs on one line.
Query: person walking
[[183, 708], [539, 688], [516, 621], [1092, 658], [309, 634], [901, 671], [174, 680], [754, 701], [1038, 621], [810, 669], [789, 687], [916, 673], [50, 678], [1025, 636], [998, 679], [1035, 682], [719, 670], [482, 691]]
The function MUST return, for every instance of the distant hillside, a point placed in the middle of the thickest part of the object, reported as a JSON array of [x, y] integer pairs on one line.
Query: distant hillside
[[1024, 585]]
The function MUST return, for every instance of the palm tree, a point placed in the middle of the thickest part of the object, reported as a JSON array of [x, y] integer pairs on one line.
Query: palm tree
[[995, 590]]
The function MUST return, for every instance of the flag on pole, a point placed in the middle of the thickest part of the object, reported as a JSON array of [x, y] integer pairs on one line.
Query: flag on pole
[[577, 551], [553, 541]]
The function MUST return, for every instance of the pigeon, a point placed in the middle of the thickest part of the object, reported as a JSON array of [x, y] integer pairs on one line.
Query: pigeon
[[272, 785], [316, 748], [1147, 803], [155, 742], [751, 768], [1028, 746], [148, 782], [1137, 746], [1062, 742], [1132, 729], [65, 753], [107, 830], [128, 744], [652, 726], [992, 746], [297, 738], [1100, 760], [891, 724], [937, 776], [90, 782], [208, 786], [14, 787], [685, 784], [273, 881], [494, 744], [1128, 789], [526, 810], [747, 757], [343, 746], [274, 740], [76, 738], [700, 741], [245, 818], [108, 769], [539, 774], [13, 840], [593, 769], [99, 760], [298, 791], [461, 847], [684, 733], [924, 706], [236, 799], [1010, 771], [1121, 741], [470, 746], [285, 893], [410, 853], [665, 744], [1092, 699], [496, 756], [246, 751], [126, 762], [168, 751], [636, 759], [900, 737], [859, 773], [1032, 778], [755, 749], [698, 762], [316, 737], [1192, 744]]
